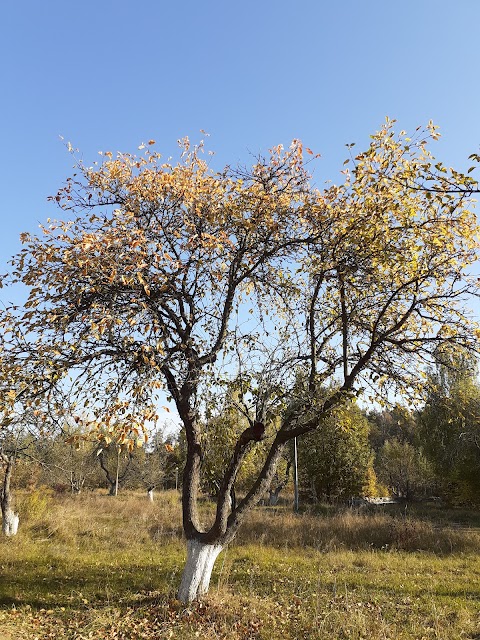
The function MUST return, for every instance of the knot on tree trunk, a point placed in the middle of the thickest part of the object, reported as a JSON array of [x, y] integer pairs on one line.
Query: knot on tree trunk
[[256, 432]]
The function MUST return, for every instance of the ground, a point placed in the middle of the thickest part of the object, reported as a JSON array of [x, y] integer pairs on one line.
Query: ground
[[97, 567]]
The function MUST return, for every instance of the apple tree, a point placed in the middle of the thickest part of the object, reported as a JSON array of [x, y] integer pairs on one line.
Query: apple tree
[[167, 277]]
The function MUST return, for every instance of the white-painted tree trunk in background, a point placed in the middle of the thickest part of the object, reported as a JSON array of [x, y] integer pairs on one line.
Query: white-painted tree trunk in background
[[9, 518], [10, 523], [150, 495], [198, 569]]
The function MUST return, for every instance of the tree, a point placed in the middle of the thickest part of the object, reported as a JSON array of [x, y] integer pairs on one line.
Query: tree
[[334, 460], [449, 426], [19, 432], [280, 478], [152, 280], [115, 462], [64, 454], [397, 422], [150, 463], [10, 519], [405, 470]]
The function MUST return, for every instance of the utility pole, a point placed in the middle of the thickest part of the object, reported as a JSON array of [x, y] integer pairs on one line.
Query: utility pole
[[118, 470], [295, 476]]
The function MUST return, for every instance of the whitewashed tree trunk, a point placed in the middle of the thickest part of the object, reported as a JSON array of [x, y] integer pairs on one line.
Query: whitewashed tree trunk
[[9, 518], [198, 569], [150, 495], [273, 498], [10, 523]]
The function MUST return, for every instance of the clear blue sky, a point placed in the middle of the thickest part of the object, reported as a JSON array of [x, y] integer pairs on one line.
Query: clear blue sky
[[108, 75]]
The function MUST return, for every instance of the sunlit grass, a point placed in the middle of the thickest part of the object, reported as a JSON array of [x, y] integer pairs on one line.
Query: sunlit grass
[[101, 567]]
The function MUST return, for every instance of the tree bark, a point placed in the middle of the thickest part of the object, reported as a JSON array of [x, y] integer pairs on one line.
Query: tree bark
[[10, 522], [9, 518], [115, 489], [198, 569], [274, 493]]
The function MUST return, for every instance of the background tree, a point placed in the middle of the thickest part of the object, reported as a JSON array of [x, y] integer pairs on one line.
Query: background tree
[[335, 459], [67, 460], [449, 426], [398, 422], [404, 469], [280, 478], [152, 279], [115, 461], [20, 431], [10, 519], [148, 464]]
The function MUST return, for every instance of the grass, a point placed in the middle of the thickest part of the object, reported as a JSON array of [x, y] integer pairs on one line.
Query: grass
[[96, 567]]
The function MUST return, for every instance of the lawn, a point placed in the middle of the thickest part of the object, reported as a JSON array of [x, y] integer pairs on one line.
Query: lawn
[[98, 567]]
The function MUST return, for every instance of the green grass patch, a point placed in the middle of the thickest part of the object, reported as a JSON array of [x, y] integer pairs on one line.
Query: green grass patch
[[96, 567]]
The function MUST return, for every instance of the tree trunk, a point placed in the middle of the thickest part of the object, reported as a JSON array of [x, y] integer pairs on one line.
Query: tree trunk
[[274, 496], [114, 482], [203, 547], [76, 484], [201, 555], [150, 494], [9, 518], [274, 493], [198, 569], [10, 522]]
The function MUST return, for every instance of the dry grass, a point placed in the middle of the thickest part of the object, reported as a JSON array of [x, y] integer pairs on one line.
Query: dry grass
[[96, 519], [348, 529], [96, 567]]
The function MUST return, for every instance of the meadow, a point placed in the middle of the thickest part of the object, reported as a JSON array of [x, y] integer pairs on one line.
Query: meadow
[[97, 567]]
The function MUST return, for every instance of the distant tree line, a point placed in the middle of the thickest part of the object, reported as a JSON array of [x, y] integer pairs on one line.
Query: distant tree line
[[75, 463]]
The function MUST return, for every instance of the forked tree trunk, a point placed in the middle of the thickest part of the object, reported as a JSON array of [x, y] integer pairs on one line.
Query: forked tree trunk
[[76, 484], [198, 569], [9, 518], [114, 482], [203, 547], [274, 496]]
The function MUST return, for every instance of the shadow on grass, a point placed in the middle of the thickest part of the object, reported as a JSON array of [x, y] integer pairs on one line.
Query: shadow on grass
[[43, 587]]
